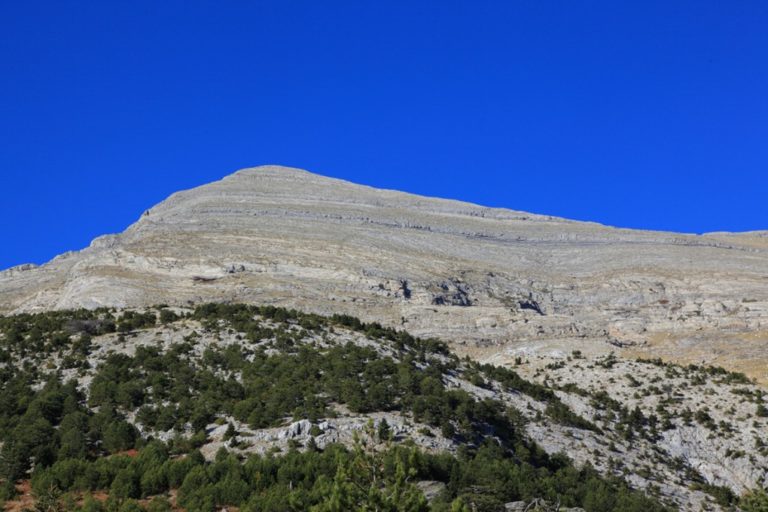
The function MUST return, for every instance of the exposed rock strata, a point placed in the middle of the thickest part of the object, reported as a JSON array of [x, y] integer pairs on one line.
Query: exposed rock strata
[[485, 278]]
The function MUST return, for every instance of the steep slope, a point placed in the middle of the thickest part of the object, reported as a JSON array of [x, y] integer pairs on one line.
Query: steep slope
[[496, 282]]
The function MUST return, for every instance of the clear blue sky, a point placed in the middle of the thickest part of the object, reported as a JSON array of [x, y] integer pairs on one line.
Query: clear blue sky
[[648, 114]]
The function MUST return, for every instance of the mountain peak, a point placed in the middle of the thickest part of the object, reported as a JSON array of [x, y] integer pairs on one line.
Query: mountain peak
[[273, 170], [491, 280]]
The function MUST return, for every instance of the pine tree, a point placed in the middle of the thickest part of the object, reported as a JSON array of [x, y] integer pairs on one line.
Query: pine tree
[[384, 432], [124, 486]]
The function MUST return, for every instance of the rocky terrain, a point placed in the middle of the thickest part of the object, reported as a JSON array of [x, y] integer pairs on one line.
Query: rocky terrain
[[693, 437], [264, 408], [492, 281]]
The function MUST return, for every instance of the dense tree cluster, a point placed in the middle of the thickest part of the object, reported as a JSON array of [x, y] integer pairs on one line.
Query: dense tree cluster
[[335, 479], [43, 426]]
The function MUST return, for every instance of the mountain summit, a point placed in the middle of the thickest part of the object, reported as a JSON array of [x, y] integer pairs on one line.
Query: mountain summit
[[497, 283]]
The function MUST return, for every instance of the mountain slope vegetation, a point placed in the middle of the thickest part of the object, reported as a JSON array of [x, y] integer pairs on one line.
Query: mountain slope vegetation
[[264, 408]]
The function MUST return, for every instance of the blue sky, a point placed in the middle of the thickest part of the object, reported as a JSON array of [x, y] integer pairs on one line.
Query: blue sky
[[648, 114]]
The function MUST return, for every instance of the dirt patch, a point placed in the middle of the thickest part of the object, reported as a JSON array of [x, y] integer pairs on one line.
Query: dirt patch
[[744, 355], [24, 499]]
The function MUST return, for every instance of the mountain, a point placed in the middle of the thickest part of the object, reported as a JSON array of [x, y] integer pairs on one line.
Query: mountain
[[279, 340], [497, 283]]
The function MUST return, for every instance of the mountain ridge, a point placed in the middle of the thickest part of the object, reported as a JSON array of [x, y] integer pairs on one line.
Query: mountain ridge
[[298, 173], [495, 281]]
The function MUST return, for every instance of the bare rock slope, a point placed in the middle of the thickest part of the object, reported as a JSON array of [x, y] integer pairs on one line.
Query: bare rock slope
[[495, 282]]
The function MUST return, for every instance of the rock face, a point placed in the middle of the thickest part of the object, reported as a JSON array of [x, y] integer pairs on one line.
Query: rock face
[[494, 282]]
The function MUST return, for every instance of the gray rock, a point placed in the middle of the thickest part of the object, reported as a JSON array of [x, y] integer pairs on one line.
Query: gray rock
[[330, 246]]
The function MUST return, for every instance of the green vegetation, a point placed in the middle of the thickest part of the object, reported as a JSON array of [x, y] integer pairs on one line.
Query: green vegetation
[[336, 478], [73, 438], [716, 373], [755, 501]]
